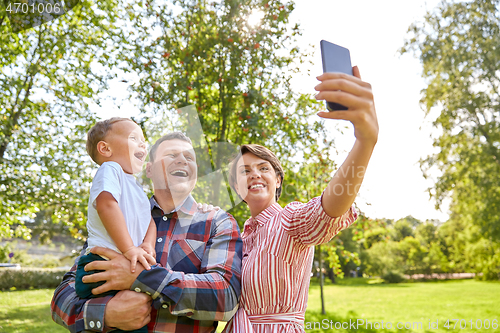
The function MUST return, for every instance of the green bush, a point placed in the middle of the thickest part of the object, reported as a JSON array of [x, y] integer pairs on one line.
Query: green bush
[[393, 277], [16, 279], [48, 261], [22, 257], [4, 253]]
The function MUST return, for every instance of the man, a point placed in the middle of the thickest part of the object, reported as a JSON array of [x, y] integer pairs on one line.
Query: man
[[197, 281]]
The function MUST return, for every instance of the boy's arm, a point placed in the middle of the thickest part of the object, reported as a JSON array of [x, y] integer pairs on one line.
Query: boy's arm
[[113, 220], [148, 244]]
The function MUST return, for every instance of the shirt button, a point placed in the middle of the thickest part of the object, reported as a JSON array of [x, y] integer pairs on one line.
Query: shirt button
[[98, 324], [164, 306], [138, 289], [159, 240], [165, 218], [91, 324]]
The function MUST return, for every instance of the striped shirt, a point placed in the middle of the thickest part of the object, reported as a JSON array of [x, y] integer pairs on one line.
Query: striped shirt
[[197, 284], [278, 252]]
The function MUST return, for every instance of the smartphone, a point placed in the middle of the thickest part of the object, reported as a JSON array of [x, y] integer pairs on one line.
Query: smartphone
[[335, 58]]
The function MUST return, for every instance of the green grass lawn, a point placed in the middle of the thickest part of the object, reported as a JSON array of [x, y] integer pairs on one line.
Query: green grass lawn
[[353, 299], [27, 311], [407, 303]]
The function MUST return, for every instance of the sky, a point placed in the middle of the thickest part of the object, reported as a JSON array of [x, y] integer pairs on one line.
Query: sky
[[373, 31]]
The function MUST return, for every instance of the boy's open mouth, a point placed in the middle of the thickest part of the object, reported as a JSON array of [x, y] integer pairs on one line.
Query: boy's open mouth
[[141, 156]]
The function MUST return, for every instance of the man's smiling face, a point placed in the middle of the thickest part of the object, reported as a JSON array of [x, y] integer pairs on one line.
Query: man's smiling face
[[174, 168]]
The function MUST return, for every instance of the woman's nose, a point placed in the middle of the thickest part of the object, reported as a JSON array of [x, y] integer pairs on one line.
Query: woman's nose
[[254, 174]]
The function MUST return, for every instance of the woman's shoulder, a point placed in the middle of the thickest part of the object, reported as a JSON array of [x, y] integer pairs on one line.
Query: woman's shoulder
[[294, 205]]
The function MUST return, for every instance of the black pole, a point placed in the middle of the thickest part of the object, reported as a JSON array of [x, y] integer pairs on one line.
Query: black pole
[[321, 279]]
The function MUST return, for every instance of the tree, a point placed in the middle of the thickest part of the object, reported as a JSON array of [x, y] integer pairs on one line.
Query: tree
[[426, 233], [402, 229], [48, 75], [458, 46], [237, 77]]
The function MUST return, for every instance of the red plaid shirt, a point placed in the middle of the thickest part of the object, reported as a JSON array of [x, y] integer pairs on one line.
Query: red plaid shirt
[[197, 284]]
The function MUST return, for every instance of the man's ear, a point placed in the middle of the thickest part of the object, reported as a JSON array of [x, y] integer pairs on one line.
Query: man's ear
[[149, 165], [104, 149]]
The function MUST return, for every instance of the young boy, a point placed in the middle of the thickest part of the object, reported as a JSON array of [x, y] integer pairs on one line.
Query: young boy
[[119, 215]]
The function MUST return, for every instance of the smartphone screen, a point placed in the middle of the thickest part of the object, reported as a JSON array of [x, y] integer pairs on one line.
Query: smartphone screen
[[335, 58]]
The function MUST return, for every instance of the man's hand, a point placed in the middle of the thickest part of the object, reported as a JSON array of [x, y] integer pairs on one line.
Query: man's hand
[[204, 208], [128, 310], [116, 271]]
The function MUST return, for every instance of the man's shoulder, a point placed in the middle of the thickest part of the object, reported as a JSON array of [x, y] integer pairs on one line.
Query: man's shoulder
[[217, 218], [222, 215]]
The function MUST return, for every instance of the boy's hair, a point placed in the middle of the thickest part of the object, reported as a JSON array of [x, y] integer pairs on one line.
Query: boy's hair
[[265, 154], [169, 136], [97, 133]]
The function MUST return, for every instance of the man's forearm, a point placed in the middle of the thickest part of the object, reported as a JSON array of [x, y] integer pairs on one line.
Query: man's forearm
[[66, 307], [76, 314], [208, 296]]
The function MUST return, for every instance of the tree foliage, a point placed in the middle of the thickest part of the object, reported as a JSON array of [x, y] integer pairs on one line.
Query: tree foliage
[[459, 47], [48, 75], [206, 54], [237, 76]]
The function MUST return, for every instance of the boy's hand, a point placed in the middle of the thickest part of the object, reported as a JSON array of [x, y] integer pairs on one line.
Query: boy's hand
[[135, 254], [150, 249]]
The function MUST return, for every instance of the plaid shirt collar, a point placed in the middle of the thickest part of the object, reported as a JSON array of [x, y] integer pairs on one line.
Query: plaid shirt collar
[[187, 207]]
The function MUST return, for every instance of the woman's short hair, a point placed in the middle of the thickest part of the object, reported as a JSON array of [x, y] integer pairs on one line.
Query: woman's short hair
[[265, 154]]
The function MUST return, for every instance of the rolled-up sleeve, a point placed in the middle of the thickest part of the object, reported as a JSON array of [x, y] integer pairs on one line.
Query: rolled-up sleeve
[[76, 314], [311, 225]]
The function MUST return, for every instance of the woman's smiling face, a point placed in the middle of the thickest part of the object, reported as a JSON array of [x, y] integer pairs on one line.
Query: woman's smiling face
[[256, 181]]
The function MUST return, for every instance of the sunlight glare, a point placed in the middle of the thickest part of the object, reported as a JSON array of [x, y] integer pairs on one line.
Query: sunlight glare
[[255, 18]]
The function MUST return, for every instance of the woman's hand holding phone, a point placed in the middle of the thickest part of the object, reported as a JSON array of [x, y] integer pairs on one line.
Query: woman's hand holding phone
[[357, 96]]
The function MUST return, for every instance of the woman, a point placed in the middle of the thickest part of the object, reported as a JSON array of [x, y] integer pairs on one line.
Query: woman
[[278, 243]]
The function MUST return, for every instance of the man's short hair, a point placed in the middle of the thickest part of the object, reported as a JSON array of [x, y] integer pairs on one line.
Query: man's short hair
[[265, 154], [98, 132], [169, 136]]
